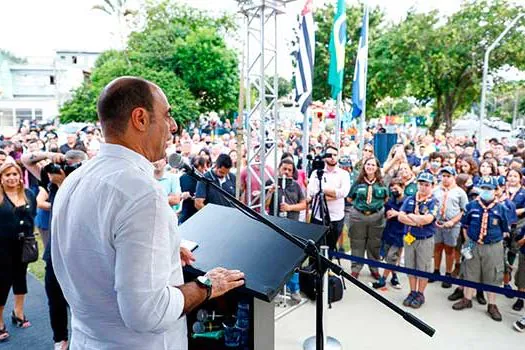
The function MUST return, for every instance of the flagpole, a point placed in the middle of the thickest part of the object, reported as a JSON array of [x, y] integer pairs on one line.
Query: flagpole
[[338, 120], [363, 113], [306, 138]]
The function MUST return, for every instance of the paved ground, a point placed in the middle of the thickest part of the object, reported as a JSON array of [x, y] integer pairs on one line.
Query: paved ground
[[360, 322]]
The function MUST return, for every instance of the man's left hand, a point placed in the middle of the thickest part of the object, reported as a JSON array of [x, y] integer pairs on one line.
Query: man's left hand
[[285, 207], [186, 256]]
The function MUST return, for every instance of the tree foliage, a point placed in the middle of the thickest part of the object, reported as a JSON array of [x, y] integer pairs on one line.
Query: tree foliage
[[441, 59], [180, 49]]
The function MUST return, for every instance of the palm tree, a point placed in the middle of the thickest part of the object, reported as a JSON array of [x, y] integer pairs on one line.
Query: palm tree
[[118, 9]]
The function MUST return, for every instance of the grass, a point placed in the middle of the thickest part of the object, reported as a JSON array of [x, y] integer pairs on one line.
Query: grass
[[38, 267]]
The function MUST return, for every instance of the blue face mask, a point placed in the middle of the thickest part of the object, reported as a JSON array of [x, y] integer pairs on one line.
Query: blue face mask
[[486, 195]]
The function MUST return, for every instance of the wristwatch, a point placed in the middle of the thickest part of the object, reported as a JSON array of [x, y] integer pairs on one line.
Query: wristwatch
[[205, 282]]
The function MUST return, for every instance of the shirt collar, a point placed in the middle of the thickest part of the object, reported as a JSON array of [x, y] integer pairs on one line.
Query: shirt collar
[[118, 151]]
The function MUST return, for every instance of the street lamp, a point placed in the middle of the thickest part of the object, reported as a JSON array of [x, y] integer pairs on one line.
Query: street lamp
[[485, 73]]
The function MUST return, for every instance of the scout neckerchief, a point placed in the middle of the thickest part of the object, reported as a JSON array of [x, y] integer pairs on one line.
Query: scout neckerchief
[[369, 189], [511, 195], [443, 208], [421, 200], [485, 219]]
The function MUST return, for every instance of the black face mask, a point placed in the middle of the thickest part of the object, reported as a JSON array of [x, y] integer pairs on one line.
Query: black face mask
[[208, 142], [395, 194]]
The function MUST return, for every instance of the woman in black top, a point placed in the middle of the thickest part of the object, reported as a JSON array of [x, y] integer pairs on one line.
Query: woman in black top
[[17, 212]]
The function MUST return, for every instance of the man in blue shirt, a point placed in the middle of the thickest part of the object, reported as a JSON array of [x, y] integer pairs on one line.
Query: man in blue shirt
[[418, 213], [221, 176], [484, 224]]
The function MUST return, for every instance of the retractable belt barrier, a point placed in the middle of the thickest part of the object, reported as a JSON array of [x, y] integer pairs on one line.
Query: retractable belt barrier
[[493, 289]]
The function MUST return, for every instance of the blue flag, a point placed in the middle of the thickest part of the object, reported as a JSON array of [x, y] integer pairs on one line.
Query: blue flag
[[337, 50], [361, 67], [305, 56]]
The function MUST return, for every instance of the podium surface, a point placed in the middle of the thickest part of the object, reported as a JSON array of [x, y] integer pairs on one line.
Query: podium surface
[[228, 238]]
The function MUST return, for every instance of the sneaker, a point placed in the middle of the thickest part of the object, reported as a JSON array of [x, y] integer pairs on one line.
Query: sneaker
[[395, 282], [436, 272], [446, 284], [418, 301], [480, 297], [508, 286], [61, 345], [518, 305], [494, 313], [379, 284], [296, 297], [464, 303], [458, 294], [519, 325], [375, 275], [409, 298]]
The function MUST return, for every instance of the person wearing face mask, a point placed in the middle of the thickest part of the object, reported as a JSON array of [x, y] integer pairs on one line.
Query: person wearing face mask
[[484, 225], [367, 219], [435, 162], [413, 160], [418, 213], [392, 241], [452, 202]]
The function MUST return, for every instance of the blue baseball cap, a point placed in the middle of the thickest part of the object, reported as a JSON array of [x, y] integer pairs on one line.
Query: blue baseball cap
[[345, 161], [448, 169], [488, 182], [425, 177]]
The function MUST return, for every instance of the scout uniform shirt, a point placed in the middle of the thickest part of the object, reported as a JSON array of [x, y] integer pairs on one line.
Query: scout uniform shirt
[[429, 206], [486, 229], [365, 203], [410, 188]]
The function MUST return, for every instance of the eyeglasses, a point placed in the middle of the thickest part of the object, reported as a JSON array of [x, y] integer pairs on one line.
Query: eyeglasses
[[331, 155]]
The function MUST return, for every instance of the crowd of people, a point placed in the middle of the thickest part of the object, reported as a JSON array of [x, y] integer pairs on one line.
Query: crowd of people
[[432, 197]]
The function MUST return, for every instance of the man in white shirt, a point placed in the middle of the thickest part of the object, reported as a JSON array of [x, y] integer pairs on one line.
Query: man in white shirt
[[115, 247], [335, 184]]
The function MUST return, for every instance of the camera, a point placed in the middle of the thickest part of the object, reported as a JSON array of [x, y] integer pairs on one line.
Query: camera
[[318, 161], [55, 168]]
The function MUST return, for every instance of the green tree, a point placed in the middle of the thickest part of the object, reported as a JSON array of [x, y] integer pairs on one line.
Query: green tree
[[9, 56], [82, 106], [441, 60], [191, 44]]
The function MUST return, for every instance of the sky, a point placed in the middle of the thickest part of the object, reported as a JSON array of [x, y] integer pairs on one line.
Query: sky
[[36, 28]]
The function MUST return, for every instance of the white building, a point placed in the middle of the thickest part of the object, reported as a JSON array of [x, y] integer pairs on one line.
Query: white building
[[36, 90]]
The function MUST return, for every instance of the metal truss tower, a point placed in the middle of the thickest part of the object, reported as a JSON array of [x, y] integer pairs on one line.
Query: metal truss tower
[[261, 84]]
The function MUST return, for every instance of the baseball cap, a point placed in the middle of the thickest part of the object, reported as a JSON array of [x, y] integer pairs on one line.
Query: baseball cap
[[425, 177], [345, 161], [448, 169], [488, 182]]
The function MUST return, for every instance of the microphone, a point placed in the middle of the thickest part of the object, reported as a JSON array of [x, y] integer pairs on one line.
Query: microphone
[[203, 327], [203, 315], [175, 161]]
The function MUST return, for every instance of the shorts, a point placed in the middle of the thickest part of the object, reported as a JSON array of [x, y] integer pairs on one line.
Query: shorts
[[487, 264], [520, 272], [448, 236], [392, 253], [419, 255]]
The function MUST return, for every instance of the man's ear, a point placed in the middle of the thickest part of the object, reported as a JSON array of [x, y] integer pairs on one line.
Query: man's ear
[[140, 119]]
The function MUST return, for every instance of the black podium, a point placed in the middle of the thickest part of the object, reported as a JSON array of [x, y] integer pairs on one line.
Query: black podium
[[228, 238]]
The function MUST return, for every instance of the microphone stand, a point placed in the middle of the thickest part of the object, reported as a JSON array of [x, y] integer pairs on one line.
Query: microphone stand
[[322, 264]]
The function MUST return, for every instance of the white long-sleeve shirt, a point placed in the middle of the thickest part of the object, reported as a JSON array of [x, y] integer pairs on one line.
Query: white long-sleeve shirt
[[338, 180], [115, 252]]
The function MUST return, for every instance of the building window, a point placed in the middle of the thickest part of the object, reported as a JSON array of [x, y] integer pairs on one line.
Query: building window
[[38, 114], [63, 58], [23, 114], [52, 80], [6, 117], [74, 59]]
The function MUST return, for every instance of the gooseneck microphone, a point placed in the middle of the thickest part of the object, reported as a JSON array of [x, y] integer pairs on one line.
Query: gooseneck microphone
[[175, 161]]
